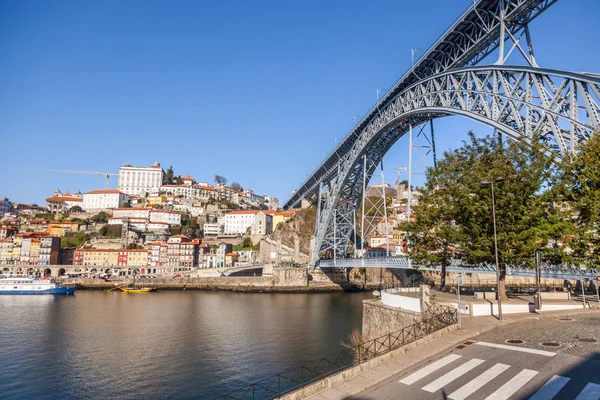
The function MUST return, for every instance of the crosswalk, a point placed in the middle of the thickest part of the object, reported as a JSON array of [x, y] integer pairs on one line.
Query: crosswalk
[[463, 365]]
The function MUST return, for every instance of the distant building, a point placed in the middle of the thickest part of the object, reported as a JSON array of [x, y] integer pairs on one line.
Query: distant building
[[98, 200], [140, 181], [272, 203], [111, 257], [371, 252], [63, 202], [36, 248], [251, 221], [60, 228], [169, 217], [222, 251], [130, 212], [231, 259], [7, 231], [282, 216], [5, 207], [182, 253], [212, 229], [6, 252], [380, 240]]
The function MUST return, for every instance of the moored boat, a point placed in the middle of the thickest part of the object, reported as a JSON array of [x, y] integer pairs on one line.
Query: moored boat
[[28, 285], [137, 290]]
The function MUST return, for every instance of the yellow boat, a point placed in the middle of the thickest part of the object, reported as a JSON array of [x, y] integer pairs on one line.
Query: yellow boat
[[137, 290]]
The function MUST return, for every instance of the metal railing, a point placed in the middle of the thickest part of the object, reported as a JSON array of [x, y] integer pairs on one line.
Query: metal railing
[[439, 317], [562, 271]]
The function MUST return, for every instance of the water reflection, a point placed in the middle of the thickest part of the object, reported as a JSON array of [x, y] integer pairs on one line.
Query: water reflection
[[163, 345]]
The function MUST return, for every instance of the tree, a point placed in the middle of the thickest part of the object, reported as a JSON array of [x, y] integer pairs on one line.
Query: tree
[[178, 180], [111, 231], [168, 176], [75, 209], [73, 239], [579, 191], [455, 219], [247, 242], [237, 187], [102, 216], [220, 180], [432, 235]]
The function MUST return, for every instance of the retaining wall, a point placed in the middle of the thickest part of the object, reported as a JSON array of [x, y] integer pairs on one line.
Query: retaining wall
[[380, 319]]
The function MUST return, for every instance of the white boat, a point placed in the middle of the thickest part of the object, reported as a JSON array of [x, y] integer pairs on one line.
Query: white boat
[[28, 285]]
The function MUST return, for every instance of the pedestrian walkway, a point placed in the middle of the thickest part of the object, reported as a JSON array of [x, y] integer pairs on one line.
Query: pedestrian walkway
[[461, 374]]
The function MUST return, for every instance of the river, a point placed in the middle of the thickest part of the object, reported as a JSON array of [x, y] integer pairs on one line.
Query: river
[[169, 344]]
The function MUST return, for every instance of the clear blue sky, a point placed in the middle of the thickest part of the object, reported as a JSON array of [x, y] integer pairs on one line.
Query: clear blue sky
[[256, 91]]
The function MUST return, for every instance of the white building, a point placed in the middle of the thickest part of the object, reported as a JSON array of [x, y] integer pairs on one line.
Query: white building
[[238, 222], [140, 180], [212, 229], [248, 221], [168, 217], [138, 212], [62, 202], [98, 200]]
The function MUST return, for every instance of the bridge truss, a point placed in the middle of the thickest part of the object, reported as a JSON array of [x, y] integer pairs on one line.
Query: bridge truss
[[524, 103]]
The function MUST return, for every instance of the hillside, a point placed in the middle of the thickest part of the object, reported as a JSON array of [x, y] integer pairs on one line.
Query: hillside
[[302, 224]]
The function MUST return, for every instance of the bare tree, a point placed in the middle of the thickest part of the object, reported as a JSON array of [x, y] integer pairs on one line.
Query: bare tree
[[220, 180]]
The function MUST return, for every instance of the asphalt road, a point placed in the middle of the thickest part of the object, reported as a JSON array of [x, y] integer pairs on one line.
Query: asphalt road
[[489, 368]]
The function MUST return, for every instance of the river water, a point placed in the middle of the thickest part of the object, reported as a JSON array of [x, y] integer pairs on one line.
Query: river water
[[164, 345]]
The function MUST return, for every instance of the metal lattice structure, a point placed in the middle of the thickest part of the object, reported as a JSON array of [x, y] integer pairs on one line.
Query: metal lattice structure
[[564, 271], [524, 103]]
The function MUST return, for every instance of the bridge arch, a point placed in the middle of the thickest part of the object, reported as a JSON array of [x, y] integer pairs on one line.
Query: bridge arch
[[560, 108]]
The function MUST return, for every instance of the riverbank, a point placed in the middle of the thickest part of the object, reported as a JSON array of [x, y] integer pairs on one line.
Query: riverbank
[[259, 284], [283, 280]]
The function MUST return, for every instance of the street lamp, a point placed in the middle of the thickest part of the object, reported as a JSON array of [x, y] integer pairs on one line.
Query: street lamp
[[498, 295]]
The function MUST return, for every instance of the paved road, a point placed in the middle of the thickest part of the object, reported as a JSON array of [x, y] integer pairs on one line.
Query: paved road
[[489, 368]]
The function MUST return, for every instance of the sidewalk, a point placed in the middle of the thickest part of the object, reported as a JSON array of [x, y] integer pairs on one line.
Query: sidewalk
[[471, 327]]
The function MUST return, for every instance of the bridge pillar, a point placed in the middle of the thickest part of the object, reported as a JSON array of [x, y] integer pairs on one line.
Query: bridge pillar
[[305, 204]]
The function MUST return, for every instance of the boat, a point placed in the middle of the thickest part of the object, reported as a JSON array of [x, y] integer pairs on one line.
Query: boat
[[29, 285], [128, 289]]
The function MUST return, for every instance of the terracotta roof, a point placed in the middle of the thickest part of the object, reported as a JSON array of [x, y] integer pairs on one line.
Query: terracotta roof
[[109, 191], [289, 213], [232, 254], [63, 198], [164, 211], [239, 212]]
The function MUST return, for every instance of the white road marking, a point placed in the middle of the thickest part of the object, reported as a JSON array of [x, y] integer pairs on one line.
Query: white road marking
[[452, 375], [590, 392], [511, 387], [423, 372], [516, 348], [476, 384], [551, 388]]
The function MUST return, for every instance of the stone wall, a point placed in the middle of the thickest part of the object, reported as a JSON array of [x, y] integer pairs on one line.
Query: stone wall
[[290, 276], [489, 280], [379, 319]]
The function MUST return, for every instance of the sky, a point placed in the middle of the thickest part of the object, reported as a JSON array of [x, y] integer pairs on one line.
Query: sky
[[256, 91]]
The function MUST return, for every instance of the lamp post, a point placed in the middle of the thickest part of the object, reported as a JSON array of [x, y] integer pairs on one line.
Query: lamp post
[[498, 295]]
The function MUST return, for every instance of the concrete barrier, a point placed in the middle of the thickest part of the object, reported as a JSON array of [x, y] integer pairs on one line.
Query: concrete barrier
[[398, 300], [555, 295], [485, 295]]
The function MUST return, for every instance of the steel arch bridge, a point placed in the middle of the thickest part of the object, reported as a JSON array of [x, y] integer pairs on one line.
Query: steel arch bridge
[[523, 102]]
